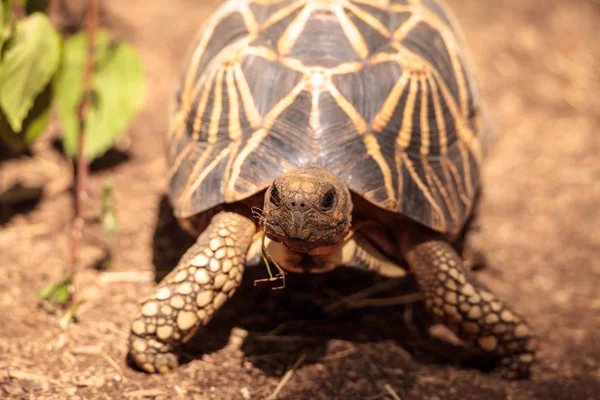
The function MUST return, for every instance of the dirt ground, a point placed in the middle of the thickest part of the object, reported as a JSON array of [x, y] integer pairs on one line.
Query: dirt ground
[[539, 68]]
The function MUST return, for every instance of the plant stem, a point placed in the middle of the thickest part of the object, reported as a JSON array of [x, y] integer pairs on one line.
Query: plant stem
[[82, 162]]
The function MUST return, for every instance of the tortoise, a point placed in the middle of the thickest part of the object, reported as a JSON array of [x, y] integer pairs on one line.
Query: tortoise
[[357, 127]]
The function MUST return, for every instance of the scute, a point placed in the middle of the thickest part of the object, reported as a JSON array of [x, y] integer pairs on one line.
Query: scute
[[378, 93]]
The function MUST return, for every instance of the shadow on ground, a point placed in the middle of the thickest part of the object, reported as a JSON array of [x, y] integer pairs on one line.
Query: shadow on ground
[[309, 314]]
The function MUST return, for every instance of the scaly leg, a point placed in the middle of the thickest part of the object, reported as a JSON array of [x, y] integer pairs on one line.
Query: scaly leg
[[360, 252], [456, 299], [186, 299]]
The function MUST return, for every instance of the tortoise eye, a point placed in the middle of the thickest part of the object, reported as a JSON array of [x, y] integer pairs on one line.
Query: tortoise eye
[[328, 200], [274, 197]]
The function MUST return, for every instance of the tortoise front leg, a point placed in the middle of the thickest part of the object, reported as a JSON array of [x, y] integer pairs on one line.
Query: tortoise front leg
[[186, 299], [456, 299]]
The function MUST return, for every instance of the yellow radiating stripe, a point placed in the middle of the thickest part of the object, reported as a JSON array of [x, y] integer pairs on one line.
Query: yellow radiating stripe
[[452, 190], [401, 8], [405, 133], [249, 20], [466, 168], [462, 85], [195, 184], [263, 52], [368, 19], [381, 58], [179, 159], [426, 193], [257, 137], [281, 14], [453, 50], [215, 118], [357, 41], [202, 106], [284, 103], [439, 116], [176, 123], [357, 120], [294, 30], [293, 64], [226, 9], [252, 112], [342, 69], [347, 68], [404, 29], [459, 182], [187, 95], [198, 165], [271, 2], [229, 197], [387, 110], [379, 4], [425, 129], [230, 54], [235, 129], [430, 173], [398, 162], [463, 131], [369, 140], [374, 151]]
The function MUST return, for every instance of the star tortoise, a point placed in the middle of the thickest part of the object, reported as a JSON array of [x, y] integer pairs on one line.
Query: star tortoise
[[356, 126]]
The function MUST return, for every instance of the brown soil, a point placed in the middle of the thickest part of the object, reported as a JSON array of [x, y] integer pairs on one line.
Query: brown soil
[[539, 69]]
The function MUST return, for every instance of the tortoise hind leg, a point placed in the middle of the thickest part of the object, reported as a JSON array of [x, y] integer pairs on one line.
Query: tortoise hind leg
[[360, 252], [186, 299], [456, 299]]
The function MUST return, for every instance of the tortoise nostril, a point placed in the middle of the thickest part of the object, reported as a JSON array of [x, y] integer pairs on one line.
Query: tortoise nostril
[[302, 205], [293, 204]]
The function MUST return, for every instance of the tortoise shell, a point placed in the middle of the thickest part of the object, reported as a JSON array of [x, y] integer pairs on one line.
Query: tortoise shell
[[378, 92]]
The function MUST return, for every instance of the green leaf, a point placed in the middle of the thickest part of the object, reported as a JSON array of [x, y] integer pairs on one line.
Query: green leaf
[[108, 215], [7, 6], [118, 92], [33, 126], [57, 293], [30, 61], [1, 26]]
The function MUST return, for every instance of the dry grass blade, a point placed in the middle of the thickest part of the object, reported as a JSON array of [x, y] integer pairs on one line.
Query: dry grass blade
[[286, 377], [112, 363], [126, 276], [140, 394]]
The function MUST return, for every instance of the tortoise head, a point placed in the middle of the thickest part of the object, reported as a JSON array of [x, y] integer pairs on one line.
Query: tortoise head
[[309, 210]]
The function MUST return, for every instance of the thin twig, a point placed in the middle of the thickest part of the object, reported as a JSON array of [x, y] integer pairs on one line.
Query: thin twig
[[391, 391], [82, 162], [386, 302], [286, 377], [361, 294], [340, 354], [112, 363]]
